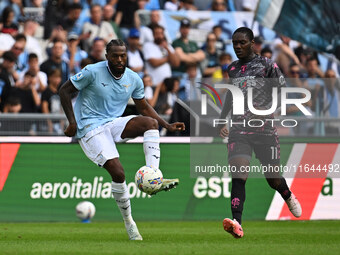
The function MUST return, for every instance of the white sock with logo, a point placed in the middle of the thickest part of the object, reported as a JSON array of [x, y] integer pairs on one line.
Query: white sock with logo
[[121, 194], [151, 148]]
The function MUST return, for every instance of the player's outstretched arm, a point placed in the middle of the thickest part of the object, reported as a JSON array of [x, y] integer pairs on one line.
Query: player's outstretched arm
[[145, 109], [65, 92]]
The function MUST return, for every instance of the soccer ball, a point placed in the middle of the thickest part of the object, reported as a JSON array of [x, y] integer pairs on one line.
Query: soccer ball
[[148, 179], [85, 210]]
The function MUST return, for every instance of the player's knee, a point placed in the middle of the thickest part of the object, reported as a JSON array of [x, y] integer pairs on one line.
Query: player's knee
[[151, 124], [115, 170], [274, 183]]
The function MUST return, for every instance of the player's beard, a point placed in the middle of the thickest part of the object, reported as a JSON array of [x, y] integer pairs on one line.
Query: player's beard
[[117, 71], [158, 41]]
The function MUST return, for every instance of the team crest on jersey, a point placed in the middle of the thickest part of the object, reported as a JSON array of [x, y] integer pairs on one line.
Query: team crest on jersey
[[127, 87], [78, 76]]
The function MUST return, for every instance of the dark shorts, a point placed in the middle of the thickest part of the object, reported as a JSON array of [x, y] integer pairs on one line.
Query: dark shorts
[[266, 147]]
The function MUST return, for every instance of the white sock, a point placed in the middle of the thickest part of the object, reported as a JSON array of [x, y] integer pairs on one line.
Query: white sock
[[151, 148], [121, 194]]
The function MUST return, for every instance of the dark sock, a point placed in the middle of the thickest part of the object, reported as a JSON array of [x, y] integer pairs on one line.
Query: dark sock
[[280, 185], [238, 196]]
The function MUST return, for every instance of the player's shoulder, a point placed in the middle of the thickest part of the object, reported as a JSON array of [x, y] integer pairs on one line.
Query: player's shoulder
[[232, 65], [95, 68], [132, 74]]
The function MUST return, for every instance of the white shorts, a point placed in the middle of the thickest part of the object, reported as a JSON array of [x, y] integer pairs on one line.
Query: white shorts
[[99, 144]]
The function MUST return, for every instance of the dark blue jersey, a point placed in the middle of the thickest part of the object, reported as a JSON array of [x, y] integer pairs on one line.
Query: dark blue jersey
[[261, 74]]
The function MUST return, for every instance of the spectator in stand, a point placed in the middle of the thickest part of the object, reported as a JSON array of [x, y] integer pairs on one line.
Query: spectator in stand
[[167, 96], [304, 54], [108, 14], [210, 64], [7, 76], [13, 105], [97, 27], [219, 6], [135, 55], [220, 45], [316, 85], [56, 61], [7, 24], [40, 77], [331, 97], [187, 88], [27, 93], [126, 16], [146, 34], [97, 52], [18, 49], [294, 77], [187, 50], [32, 44], [50, 101], [267, 52], [74, 53], [258, 42], [54, 12], [171, 5], [84, 62], [148, 91], [187, 5], [283, 53], [16, 5], [69, 22], [295, 81], [224, 61], [159, 56]]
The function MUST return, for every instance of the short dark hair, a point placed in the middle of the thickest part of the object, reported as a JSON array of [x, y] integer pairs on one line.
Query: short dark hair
[[20, 37], [247, 31], [9, 56], [266, 50], [32, 55], [13, 100], [225, 55], [54, 71], [216, 26], [311, 59], [30, 73], [170, 83], [155, 26], [114, 42], [74, 6]]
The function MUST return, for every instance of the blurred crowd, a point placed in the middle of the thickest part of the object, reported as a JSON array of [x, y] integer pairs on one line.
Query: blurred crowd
[[38, 54]]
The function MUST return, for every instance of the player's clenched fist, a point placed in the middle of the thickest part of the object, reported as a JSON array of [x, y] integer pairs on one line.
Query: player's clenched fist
[[71, 130]]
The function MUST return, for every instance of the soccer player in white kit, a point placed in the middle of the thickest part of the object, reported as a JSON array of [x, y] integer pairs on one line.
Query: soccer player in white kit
[[104, 90]]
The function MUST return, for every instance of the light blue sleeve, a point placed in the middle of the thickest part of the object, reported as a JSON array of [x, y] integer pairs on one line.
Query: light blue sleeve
[[82, 79], [138, 93]]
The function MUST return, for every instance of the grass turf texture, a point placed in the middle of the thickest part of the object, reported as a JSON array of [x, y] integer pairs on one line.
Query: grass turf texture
[[283, 237]]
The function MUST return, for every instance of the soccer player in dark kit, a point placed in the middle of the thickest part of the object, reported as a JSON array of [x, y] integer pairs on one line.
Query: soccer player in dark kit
[[262, 75]]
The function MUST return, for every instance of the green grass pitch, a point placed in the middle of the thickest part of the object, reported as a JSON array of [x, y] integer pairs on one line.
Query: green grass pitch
[[208, 237]]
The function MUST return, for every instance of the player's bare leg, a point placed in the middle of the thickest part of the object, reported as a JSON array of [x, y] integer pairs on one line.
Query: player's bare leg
[[278, 183], [238, 196], [148, 127], [121, 195]]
